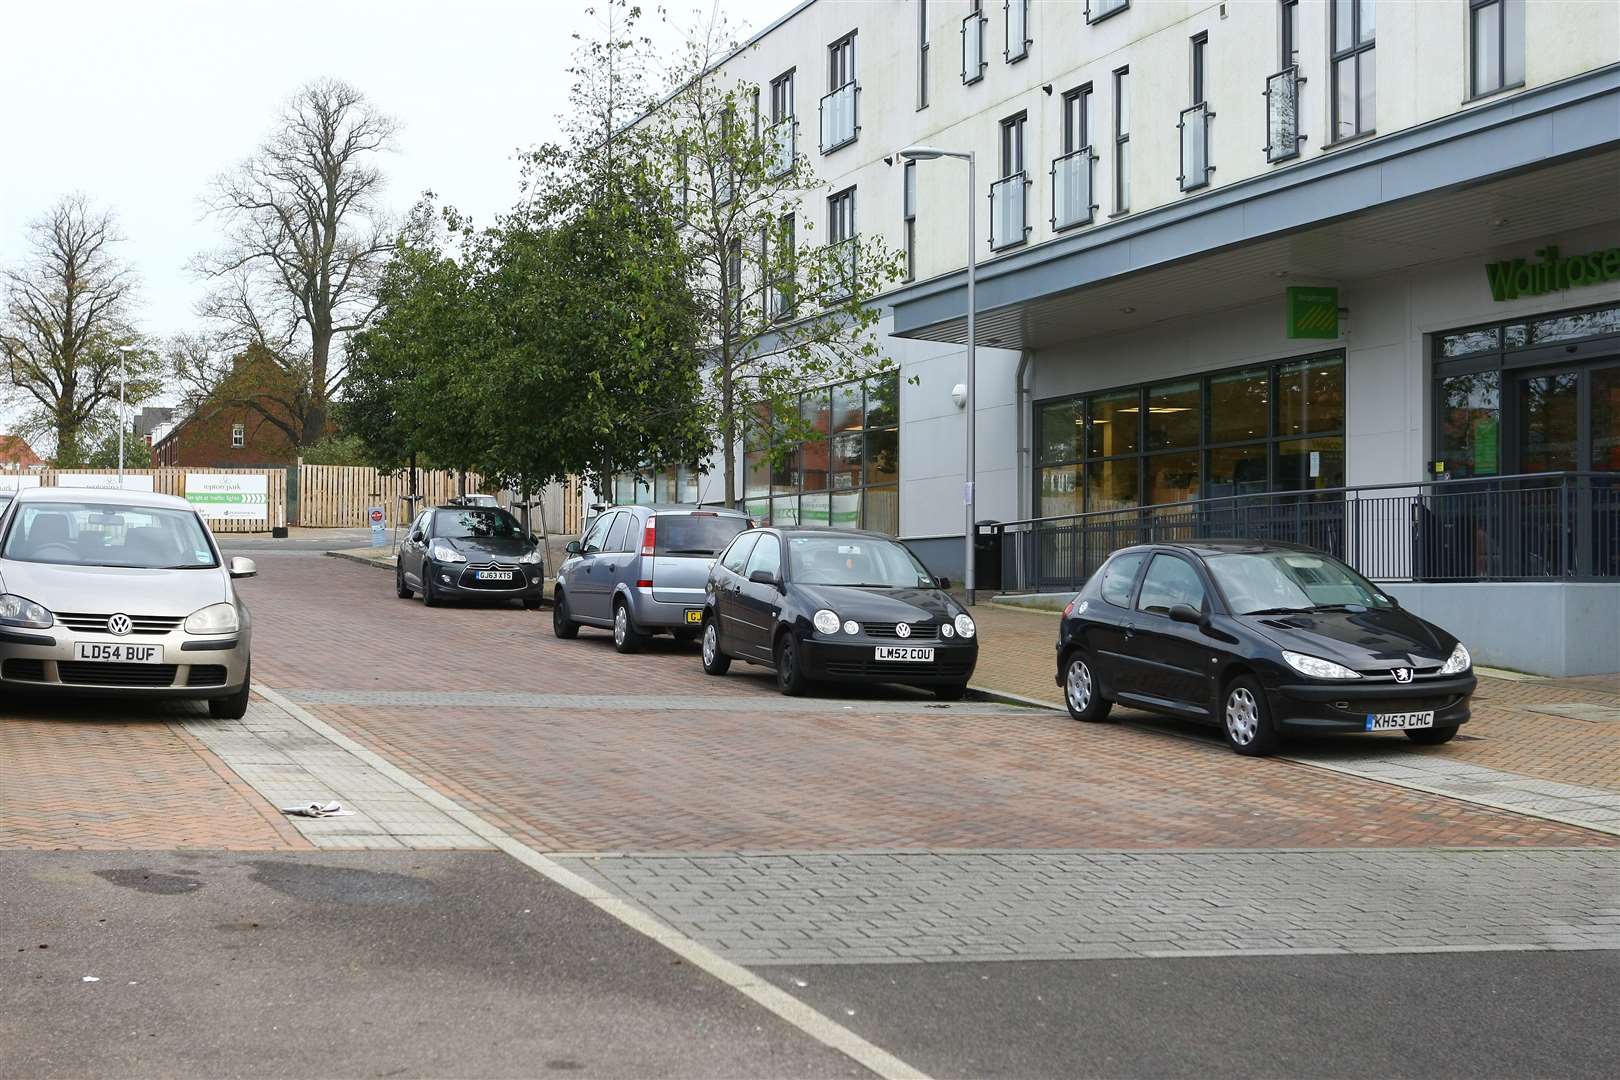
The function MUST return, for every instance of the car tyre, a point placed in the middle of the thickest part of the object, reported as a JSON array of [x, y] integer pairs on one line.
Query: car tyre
[[715, 662], [1432, 736], [430, 596], [235, 706], [531, 603], [789, 670], [401, 590], [626, 638], [1246, 718], [1081, 694], [951, 691], [561, 625]]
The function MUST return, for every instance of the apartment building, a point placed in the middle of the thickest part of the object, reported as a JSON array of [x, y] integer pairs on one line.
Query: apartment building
[[1231, 251]]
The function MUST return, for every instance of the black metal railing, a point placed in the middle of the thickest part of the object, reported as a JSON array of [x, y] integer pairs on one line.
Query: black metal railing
[[1534, 527], [1282, 114]]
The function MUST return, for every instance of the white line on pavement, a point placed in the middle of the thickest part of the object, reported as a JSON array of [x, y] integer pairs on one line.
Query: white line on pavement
[[782, 1004]]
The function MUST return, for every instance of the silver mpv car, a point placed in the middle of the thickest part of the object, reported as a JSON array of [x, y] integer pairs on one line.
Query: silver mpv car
[[642, 570], [124, 594]]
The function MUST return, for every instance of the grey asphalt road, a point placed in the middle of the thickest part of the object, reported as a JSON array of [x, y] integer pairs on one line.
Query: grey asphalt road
[[1440, 1016], [362, 964]]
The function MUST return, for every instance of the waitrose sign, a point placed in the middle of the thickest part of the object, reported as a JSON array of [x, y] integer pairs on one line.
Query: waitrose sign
[[1554, 273]]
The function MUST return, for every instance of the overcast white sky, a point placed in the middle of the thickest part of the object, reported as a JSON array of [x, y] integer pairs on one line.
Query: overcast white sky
[[138, 104]]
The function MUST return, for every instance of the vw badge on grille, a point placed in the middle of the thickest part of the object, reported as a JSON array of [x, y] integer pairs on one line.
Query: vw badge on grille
[[902, 630], [1403, 674], [119, 625]]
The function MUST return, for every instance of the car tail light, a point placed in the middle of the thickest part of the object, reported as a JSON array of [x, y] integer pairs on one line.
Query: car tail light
[[644, 583], [648, 542]]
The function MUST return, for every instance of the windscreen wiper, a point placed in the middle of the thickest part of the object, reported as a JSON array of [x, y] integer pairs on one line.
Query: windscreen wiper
[[1281, 611]]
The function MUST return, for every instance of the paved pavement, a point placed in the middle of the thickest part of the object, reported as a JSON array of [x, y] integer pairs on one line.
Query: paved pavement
[[667, 823]]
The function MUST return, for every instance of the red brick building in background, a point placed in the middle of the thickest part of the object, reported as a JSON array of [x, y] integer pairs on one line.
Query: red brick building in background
[[17, 456], [237, 426]]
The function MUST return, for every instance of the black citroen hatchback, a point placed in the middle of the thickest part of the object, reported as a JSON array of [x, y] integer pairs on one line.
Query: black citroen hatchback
[[1262, 639], [835, 605]]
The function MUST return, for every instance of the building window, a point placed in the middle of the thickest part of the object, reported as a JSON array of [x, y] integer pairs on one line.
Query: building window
[[973, 61], [1098, 10], [908, 211], [1496, 42], [1266, 427], [734, 261], [238, 436], [645, 487], [782, 97], [1122, 141], [1008, 221], [1194, 124], [841, 233], [844, 471], [784, 269], [1072, 173], [839, 114], [922, 54], [1353, 70], [1290, 33], [781, 145], [1017, 26]]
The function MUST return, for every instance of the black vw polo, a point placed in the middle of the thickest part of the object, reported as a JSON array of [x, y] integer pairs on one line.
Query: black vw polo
[[835, 605], [1262, 639]]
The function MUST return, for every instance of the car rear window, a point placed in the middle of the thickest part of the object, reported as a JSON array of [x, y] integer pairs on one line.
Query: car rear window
[[695, 535]]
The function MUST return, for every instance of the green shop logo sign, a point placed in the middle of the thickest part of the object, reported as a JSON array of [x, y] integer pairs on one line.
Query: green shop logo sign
[[1554, 273], [1313, 312]]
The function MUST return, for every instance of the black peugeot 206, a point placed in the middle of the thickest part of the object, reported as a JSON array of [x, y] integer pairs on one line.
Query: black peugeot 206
[[1263, 639], [833, 605]]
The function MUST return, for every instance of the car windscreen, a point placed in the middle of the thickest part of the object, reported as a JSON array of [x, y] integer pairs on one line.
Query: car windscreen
[[1282, 581], [475, 523], [849, 560], [700, 535], [106, 534]]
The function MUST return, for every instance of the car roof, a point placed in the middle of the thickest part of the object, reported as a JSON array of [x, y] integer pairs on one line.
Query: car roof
[[102, 496], [1218, 546], [791, 531], [677, 508]]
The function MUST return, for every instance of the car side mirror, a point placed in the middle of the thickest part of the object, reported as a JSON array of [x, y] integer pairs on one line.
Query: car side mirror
[[944, 582], [765, 577], [1186, 613], [533, 539], [573, 547], [241, 567]]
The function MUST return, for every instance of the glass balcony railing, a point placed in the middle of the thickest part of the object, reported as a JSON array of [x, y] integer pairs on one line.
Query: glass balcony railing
[[780, 148], [1282, 115], [973, 61], [1195, 167], [1071, 189], [1008, 223], [840, 122], [844, 266]]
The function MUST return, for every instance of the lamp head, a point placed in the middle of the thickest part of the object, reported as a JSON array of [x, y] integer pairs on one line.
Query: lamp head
[[922, 153]]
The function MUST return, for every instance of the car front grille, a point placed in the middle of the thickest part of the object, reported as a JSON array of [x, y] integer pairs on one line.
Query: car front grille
[[140, 624], [77, 673], [469, 578], [899, 670], [919, 631], [1393, 704], [24, 670], [206, 675]]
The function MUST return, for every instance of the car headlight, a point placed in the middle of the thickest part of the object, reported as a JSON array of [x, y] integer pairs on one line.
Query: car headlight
[[1318, 668], [1460, 661], [446, 553], [21, 611], [534, 558], [213, 619], [826, 621], [947, 630], [964, 626]]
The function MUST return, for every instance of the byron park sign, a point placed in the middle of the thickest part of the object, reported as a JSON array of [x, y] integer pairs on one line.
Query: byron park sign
[[1553, 273]]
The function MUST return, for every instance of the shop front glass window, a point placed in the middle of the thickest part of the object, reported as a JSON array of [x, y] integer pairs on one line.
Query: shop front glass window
[[1172, 477], [1061, 425], [846, 461], [1237, 470], [1310, 396], [1060, 491], [1240, 406], [881, 509], [1606, 420], [883, 457], [1175, 414], [815, 510], [1113, 485], [1115, 426], [1471, 424], [1549, 422], [1310, 464]]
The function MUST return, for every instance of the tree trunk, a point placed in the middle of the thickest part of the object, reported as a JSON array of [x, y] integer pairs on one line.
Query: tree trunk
[[728, 431], [67, 443], [320, 356]]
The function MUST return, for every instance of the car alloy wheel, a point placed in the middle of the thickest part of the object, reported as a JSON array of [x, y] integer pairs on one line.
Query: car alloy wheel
[[1246, 720], [1242, 716], [621, 625], [711, 643], [1078, 686]]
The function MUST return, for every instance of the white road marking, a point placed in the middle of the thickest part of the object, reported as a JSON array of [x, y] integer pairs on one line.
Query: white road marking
[[784, 1005]]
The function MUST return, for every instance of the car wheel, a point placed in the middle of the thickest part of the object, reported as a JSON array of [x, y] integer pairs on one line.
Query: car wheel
[[789, 671], [1081, 692], [430, 596], [401, 590], [1432, 736], [626, 638], [715, 662], [561, 625], [951, 692], [235, 706], [531, 603], [1246, 718]]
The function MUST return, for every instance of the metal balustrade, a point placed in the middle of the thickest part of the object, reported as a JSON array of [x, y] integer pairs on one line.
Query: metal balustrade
[[1282, 114], [1071, 188], [1194, 127], [1008, 223], [781, 147], [1533, 527], [840, 121]]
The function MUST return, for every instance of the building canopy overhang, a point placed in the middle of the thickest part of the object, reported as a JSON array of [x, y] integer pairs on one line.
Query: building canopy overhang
[[1539, 163]]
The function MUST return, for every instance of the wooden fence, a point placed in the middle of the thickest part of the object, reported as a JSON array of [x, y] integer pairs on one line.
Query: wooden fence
[[173, 482], [338, 496]]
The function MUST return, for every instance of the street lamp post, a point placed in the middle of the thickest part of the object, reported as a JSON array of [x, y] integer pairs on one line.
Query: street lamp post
[[123, 362], [929, 153]]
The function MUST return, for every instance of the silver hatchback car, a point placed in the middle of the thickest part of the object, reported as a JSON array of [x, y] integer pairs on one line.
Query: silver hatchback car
[[642, 570], [120, 593]]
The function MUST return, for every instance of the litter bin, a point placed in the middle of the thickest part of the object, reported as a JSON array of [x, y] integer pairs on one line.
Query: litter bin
[[987, 556]]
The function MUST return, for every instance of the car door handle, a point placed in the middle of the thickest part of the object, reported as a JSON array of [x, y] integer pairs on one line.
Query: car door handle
[[1130, 631]]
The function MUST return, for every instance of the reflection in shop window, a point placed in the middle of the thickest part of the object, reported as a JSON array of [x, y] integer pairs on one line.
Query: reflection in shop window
[[1060, 491], [1606, 419], [1113, 485], [1172, 477], [1470, 424], [1310, 464], [1240, 405], [1115, 423], [1174, 415], [1237, 470], [1310, 396]]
